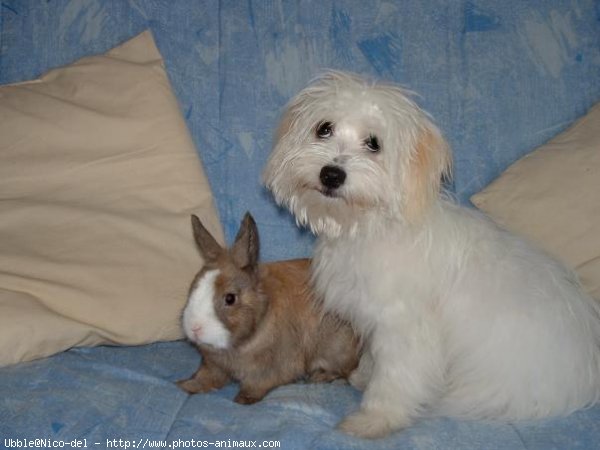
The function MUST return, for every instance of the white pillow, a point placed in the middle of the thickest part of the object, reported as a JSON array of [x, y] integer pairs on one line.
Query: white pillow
[[552, 196], [98, 178]]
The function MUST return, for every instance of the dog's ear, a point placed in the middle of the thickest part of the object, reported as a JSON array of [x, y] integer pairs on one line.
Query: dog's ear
[[284, 126], [430, 162], [272, 171]]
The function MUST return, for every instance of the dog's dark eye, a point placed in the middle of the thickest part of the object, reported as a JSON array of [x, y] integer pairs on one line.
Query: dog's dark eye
[[230, 299], [372, 144], [324, 130]]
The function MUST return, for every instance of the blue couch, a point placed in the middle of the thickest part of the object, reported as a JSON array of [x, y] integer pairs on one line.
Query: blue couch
[[499, 79]]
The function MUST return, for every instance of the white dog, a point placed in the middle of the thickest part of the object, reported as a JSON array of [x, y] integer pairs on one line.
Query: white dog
[[460, 317]]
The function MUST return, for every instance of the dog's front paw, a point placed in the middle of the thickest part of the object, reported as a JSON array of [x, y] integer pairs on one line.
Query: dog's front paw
[[359, 379], [370, 424]]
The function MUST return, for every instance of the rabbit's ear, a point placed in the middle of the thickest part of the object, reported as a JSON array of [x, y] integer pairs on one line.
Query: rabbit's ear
[[246, 246], [208, 246]]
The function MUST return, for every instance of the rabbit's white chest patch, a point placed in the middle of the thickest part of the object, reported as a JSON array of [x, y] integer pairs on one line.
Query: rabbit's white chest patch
[[200, 322]]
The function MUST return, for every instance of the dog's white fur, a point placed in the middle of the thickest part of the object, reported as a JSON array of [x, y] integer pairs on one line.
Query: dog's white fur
[[461, 318]]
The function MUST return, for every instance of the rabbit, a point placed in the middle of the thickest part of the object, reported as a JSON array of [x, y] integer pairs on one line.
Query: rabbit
[[259, 324]]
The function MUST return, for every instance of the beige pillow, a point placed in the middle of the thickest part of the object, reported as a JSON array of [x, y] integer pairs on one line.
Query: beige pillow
[[552, 196], [98, 178]]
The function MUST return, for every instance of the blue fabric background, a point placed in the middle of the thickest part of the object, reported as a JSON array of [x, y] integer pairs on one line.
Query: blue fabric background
[[499, 77]]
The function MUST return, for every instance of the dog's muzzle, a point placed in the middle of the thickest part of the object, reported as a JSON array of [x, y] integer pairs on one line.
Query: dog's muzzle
[[332, 177]]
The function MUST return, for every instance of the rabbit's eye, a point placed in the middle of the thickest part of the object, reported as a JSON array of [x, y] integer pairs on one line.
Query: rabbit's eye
[[230, 299]]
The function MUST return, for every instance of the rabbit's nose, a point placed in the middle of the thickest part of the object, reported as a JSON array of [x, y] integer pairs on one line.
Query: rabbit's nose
[[197, 331]]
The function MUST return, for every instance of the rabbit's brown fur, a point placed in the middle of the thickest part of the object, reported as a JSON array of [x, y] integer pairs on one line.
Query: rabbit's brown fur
[[279, 332]]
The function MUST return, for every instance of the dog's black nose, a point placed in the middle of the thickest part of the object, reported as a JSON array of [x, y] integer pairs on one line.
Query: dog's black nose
[[332, 177]]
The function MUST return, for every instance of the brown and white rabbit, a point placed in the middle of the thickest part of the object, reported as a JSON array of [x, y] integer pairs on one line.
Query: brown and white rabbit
[[259, 323]]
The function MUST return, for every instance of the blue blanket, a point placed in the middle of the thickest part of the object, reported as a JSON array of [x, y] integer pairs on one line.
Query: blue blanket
[[499, 78], [106, 394]]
